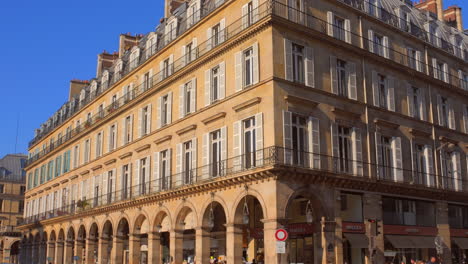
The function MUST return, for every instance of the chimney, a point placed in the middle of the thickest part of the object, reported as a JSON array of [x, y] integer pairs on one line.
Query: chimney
[[433, 6], [453, 17], [440, 12], [459, 19], [75, 87], [104, 61], [127, 41]]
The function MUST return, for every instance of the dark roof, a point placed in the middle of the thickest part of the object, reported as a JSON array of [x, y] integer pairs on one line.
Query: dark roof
[[11, 167]]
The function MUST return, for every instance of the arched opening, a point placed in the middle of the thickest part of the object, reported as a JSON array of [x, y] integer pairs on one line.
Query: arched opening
[[185, 225], [43, 248], [38, 253], [106, 243], [92, 247], [69, 246], [161, 245], [140, 241], [214, 224], [122, 246], [81, 245], [14, 252], [2, 245], [248, 216], [59, 247], [51, 247]]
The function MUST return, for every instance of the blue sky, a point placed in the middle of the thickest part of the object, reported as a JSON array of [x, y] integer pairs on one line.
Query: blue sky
[[47, 43]]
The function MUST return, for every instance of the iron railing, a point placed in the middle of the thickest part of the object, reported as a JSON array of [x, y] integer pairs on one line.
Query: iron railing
[[270, 157]]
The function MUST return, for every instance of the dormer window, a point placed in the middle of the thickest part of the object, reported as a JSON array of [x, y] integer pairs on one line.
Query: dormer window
[[105, 80], [433, 34], [134, 57], [170, 32], [374, 8], [193, 12], [151, 44], [93, 88], [118, 70], [404, 18]]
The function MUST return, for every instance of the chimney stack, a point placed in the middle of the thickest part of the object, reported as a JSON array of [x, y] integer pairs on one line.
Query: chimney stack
[[453, 17], [104, 61], [433, 6], [127, 41], [440, 12], [75, 87]]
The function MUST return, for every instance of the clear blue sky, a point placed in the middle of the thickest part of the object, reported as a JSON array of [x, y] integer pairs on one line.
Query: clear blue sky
[[47, 43]]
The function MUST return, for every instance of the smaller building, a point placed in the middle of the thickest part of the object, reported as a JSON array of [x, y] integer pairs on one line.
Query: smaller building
[[12, 189]]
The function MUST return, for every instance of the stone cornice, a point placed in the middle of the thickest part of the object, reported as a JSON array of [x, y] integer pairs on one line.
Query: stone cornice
[[385, 123], [186, 129], [214, 118], [109, 162], [141, 148], [126, 155], [246, 104], [162, 139], [299, 100]]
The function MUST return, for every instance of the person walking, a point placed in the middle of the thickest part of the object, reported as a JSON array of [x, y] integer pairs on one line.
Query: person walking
[[433, 261]]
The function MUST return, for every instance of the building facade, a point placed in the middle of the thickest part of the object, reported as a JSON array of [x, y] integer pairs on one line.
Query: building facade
[[343, 121], [12, 189]]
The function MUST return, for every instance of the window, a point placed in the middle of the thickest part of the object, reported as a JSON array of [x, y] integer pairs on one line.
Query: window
[[145, 121], [387, 160], [151, 45], [87, 151], [344, 149], [408, 212], [110, 186], [88, 118], [451, 170], [20, 206], [165, 109], [143, 176], [96, 191], [58, 166], [164, 170], [2, 189], [463, 80], [193, 13], [50, 170], [101, 111], [146, 81], [351, 207], [441, 71], [420, 165], [298, 63], [458, 216], [374, 7], [217, 167], [171, 29], [416, 103], [166, 68], [339, 28], [216, 33], [248, 67], [134, 57], [126, 181], [299, 139], [186, 161], [76, 156], [114, 102], [249, 13], [187, 98], [414, 59], [112, 137], [446, 113], [405, 21], [378, 44], [189, 52], [128, 127], [215, 84], [22, 190], [99, 144], [66, 161], [43, 173], [341, 77], [384, 91], [249, 142]]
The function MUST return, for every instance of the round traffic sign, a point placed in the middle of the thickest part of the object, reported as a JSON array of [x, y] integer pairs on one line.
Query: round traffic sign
[[281, 235]]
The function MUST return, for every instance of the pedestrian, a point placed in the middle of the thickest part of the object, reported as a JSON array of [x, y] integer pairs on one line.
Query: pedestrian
[[433, 261]]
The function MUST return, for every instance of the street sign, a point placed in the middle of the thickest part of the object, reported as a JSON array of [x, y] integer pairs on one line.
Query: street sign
[[281, 235], [280, 247]]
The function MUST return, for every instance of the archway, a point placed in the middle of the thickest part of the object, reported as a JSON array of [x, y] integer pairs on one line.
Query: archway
[[51, 247], [105, 246], [37, 249], [69, 246], [59, 247], [160, 251], [185, 236], [249, 242], [92, 244], [43, 248], [80, 247], [121, 252], [139, 244], [214, 233], [14, 252]]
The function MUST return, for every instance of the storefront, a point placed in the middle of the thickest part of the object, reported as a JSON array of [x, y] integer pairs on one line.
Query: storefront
[[355, 243], [459, 246]]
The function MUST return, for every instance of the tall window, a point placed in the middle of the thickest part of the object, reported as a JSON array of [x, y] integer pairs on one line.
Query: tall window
[[387, 159], [440, 71], [215, 72], [146, 81], [164, 170], [417, 106], [248, 67], [339, 28], [188, 91], [99, 144], [128, 130], [215, 153], [250, 18], [382, 91], [96, 194], [249, 136], [341, 77], [344, 149], [444, 111], [125, 181], [166, 68], [298, 62], [216, 35], [110, 186], [143, 176], [189, 52], [187, 162], [58, 166], [87, 152], [101, 111], [378, 44], [112, 137], [299, 138], [448, 169], [144, 121], [420, 165], [164, 109], [413, 59]]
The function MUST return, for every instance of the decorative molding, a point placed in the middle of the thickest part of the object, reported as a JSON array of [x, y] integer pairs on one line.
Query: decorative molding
[[64, 181], [47, 188], [55, 184], [144, 147], [126, 155], [419, 133], [97, 167], [345, 113], [385, 123], [246, 104], [214, 117], [448, 140], [84, 172], [73, 177], [299, 100], [40, 191], [186, 129], [163, 139], [109, 162]]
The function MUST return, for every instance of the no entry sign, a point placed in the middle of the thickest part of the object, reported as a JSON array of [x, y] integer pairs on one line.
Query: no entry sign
[[281, 235]]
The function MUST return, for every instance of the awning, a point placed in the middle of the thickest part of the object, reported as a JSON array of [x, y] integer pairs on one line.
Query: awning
[[357, 240], [461, 242], [411, 241]]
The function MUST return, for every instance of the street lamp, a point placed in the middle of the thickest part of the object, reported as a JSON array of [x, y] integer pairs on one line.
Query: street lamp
[[309, 215], [245, 213], [158, 228], [211, 218]]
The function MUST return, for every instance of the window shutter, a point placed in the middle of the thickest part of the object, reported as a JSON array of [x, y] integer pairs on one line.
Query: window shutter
[[352, 82], [179, 163], [357, 152], [457, 174], [238, 70], [335, 147], [379, 156], [255, 63], [237, 151], [288, 60], [465, 117], [391, 93], [137, 176], [330, 23], [430, 174], [193, 96], [439, 110], [414, 160], [205, 155], [109, 147], [169, 107], [131, 127], [182, 101], [410, 99], [347, 25], [386, 47], [208, 38], [460, 79], [419, 65], [222, 33], [255, 10], [148, 128], [287, 137], [434, 68], [310, 77], [195, 47], [207, 87], [224, 148], [183, 53], [140, 119], [157, 177], [245, 17], [452, 124], [194, 158], [371, 40], [259, 138], [114, 184], [169, 167], [104, 187], [422, 105], [314, 142], [375, 88], [333, 75], [222, 80], [397, 159], [174, 31], [446, 73]]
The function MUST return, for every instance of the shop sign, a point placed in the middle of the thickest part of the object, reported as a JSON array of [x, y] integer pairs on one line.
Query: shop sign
[[353, 227]]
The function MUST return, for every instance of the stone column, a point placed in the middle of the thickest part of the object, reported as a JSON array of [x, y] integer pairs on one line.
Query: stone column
[[117, 250], [269, 229], [103, 253], [34, 252], [79, 251], [68, 252], [443, 229], [50, 252], [90, 248], [328, 241], [234, 236], [202, 245], [154, 248], [372, 209], [176, 245], [59, 252], [134, 245], [338, 229]]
